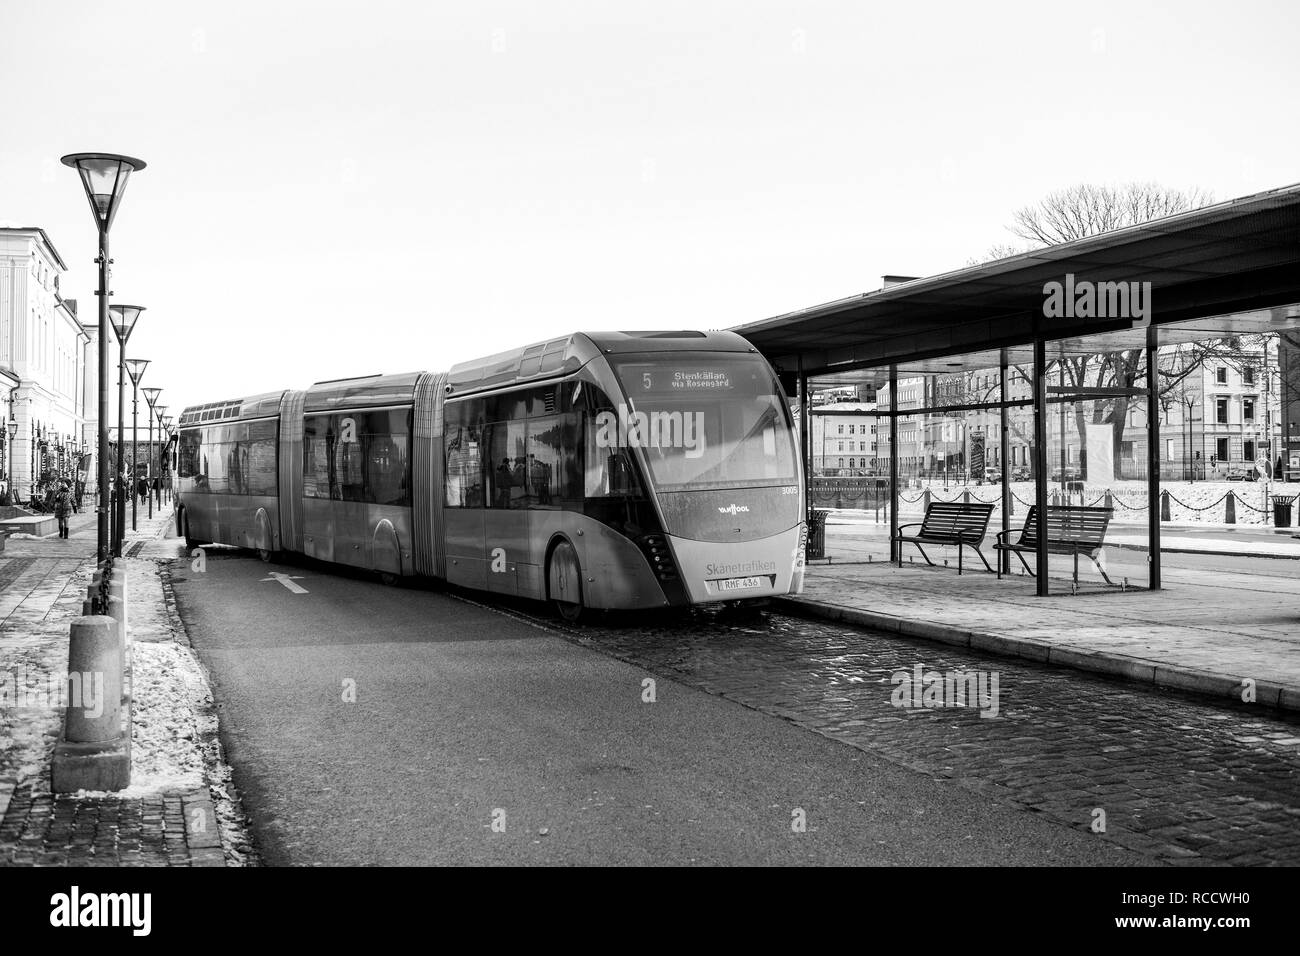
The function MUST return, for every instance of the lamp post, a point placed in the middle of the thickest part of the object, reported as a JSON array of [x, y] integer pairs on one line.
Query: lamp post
[[1190, 402], [124, 319], [151, 399], [164, 461], [104, 177], [171, 453], [136, 369], [12, 429]]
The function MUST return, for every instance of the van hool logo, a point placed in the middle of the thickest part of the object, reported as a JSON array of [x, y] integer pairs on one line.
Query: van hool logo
[[734, 509], [1098, 300], [927, 689], [630, 429]]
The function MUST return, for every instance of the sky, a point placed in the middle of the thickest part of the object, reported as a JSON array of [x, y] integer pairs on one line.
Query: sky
[[339, 189]]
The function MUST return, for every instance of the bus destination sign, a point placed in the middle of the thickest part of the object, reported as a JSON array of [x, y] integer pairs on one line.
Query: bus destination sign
[[660, 379], [697, 379]]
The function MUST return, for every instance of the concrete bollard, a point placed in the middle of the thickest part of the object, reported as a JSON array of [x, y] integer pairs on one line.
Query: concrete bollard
[[1164, 506], [117, 604], [1230, 510], [94, 713], [925, 504]]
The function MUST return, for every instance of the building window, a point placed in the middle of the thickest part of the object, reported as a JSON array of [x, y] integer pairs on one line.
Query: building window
[[839, 429], [853, 462], [1221, 376], [1248, 451], [1221, 449], [853, 429], [841, 465], [1248, 375], [1221, 411], [1248, 410]]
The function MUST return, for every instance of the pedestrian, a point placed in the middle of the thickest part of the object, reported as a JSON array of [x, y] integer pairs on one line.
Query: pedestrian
[[63, 507]]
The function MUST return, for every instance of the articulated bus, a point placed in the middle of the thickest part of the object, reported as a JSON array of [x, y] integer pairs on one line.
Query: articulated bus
[[619, 470]]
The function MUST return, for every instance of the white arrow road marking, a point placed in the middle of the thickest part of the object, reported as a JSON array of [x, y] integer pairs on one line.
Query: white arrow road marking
[[287, 580]]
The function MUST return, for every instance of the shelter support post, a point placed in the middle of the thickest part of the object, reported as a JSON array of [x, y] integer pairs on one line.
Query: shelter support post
[[1004, 462], [1153, 457], [895, 548], [1040, 458], [805, 432]]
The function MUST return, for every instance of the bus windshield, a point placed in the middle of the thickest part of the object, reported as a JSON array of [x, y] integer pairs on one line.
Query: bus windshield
[[702, 420]]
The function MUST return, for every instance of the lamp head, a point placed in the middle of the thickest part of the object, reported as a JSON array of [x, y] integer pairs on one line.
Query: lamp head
[[104, 177]]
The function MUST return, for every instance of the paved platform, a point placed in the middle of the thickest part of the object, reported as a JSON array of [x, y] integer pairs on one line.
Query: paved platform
[[162, 819], [1209, 630]]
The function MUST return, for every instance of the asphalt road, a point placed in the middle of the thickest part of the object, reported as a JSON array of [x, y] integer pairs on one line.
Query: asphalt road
[[464, 715]]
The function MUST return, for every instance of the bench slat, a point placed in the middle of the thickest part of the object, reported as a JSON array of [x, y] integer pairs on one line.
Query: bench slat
[[1067, 527]]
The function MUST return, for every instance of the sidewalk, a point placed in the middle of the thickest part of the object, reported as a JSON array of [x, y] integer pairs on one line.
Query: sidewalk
[[167, 816], [1207, 631]]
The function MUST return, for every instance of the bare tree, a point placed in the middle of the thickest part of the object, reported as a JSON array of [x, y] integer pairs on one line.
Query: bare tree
[[1086, 210]]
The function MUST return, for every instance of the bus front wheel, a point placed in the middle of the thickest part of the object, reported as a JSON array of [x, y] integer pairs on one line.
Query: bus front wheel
[[564, 579]]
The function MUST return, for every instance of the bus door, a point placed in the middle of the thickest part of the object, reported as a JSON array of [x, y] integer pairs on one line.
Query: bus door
[[463, 503], [510, 488]]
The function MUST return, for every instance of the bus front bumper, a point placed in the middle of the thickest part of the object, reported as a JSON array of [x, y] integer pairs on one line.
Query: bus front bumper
[[714, 571]]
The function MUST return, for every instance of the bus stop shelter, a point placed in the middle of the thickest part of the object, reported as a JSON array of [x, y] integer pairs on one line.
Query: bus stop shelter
[[1227, 270]]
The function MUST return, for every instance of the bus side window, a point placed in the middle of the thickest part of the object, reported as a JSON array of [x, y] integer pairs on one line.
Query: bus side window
[[609, 472], [464, 480]]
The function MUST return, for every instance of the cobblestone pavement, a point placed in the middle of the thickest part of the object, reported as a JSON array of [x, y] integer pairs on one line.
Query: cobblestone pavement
[[42, 584], [40, 829], [1213, 626], [1181, 781]]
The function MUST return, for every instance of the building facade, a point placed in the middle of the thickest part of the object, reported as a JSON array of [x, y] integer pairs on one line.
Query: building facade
[[47, 366], [843, 438]]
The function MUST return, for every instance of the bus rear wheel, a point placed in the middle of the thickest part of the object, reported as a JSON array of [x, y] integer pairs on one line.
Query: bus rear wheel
[[564, 580]]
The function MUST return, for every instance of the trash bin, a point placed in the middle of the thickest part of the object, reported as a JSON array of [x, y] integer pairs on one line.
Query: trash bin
[[817, 533], [1282, 511]]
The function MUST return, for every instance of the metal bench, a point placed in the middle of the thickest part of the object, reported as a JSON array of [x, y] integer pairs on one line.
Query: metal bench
[[1076, 531], [959, 523]]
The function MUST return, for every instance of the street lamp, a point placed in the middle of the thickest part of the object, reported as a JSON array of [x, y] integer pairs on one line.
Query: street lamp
[[171, 454], [136, 369], [164, 455], [151, 399], [124, 319], [12, 429], [104, 177]]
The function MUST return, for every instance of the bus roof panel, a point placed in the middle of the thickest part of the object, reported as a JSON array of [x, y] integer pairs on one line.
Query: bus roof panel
[[370, 391], [254, 406], [563, 355]]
